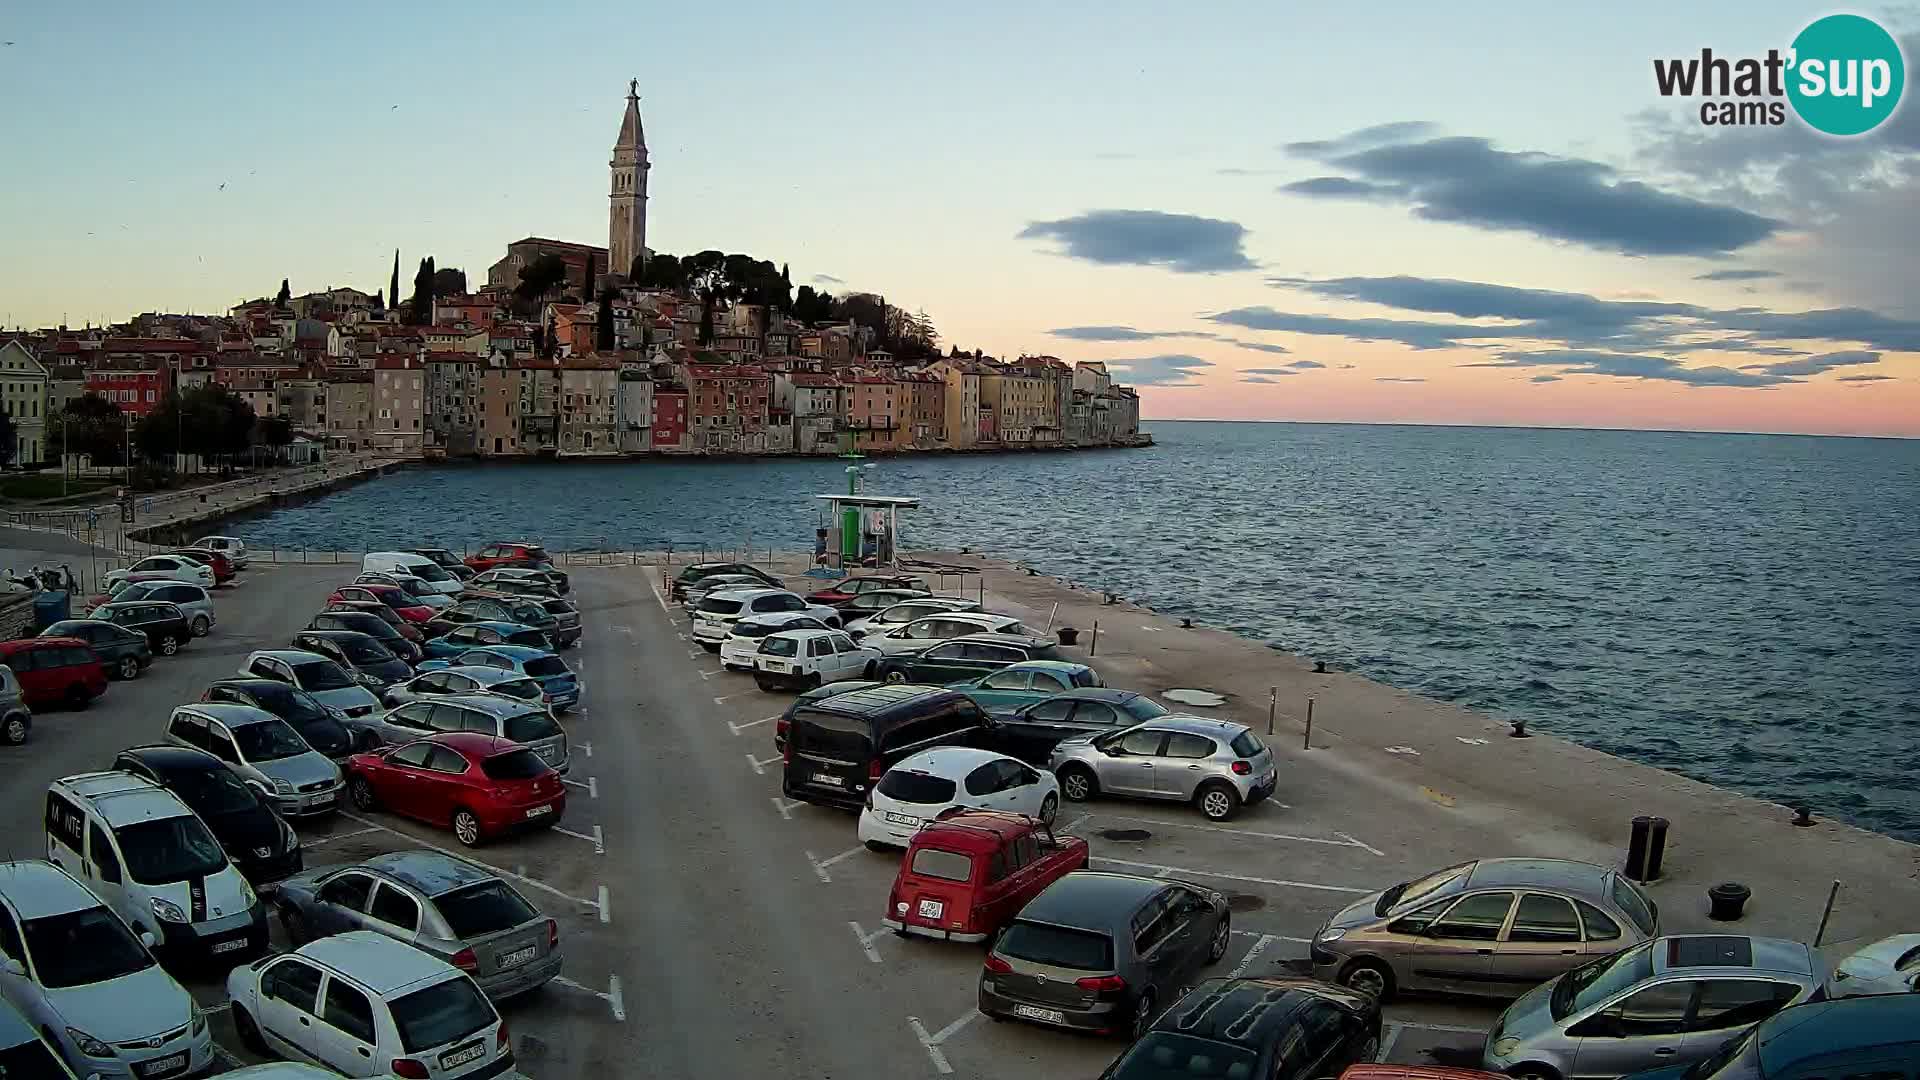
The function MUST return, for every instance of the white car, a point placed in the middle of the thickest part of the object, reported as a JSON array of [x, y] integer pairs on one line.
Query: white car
[[193, 600], [803, 659], [1888, 966], [923, 786], [737, 652], [24, 1051], [84, 978], [713, 620], [931, 630], [432, 573], [908, 610], [234, 548], [326, 681], [363, 1004], [162, 568]]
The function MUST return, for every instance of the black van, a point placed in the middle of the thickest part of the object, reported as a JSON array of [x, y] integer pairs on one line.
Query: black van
[[839, 746]]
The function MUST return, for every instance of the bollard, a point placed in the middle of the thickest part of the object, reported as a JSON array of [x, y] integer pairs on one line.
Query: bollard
[[1726, 900], [1519, 729], [1093, 645], [1826, 914], [1319, 667], [1273, 701], [1306, 740], [1803, 816], [1656, 848], [1637, 848], [1186, 624]]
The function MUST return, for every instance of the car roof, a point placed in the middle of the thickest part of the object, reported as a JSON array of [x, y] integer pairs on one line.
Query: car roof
[[37, 888], [774, 618], [881, 698], [974, 616], [971, 830], [123, 798], [513, 652], [500, 625], [166, 757], [121, 605], [1715, 953], [476, 745], [1062, 666], [376, 961], [1386, 1070], [83, 622], [289, 656], [231, 713], [1807, 1031], [339, 635], [947, 762], [1196, 725], [19, 644], [477, 673], [748, 592], [992, 638], [431, 872], [1107, 694], [1551, 873], [1252, 1012], [249, 682], [804, 633], [1091, 899], [489, 704]]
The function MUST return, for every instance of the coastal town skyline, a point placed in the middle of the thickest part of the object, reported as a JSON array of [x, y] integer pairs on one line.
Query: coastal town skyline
[[1458, 260]]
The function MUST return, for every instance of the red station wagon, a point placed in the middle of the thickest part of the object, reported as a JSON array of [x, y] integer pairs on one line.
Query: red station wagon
[[55, 671], [393, 596], [969, 872], [509, 553], [481, 786], [846, 589]]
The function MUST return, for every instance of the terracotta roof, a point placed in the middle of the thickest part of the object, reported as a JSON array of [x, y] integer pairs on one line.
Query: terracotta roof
[[814, 379], [590, 362], [557, 244], [122, 366], [67, 371], [724, 371], [441, 357], [151, 345]]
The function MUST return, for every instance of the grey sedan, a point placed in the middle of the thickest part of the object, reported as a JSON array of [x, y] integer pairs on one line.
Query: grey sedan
[[445, 682], [1216, 765], [447, 907]]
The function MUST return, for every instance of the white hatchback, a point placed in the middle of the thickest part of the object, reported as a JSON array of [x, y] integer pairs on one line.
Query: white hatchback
[[713, 620], [931, 630], [737, 652], [922, 787], [363, 1004], [234, 548], [803, 659], [908, 610]]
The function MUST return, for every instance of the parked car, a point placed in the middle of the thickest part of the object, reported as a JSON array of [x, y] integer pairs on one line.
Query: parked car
[[461, 913], [508, 609], [417, 590], [373, 626], [54, 671], [516, 721], [165, 625], [23, 1052], [566, 616], [152, 860], [713, 620], [460, 681], [1102, 952], [1010, 688], [379, 611], [327, 681], [552, 581], [363, 997], [222, 567], [480, 634], [557, 681], [743, 641], [1033, 731], [234, 548], [401, 602], [1855, 1037], [363, 655], [191, 599], [966, 874], [163, 568], [928, 630], [1447, 931], [804, 659], [694, 572], [961, 658], [447, 561], [931, 783], [256, 839], [77, 973], [325, 728], [1391, 1071], [125, 653], [839, 746], [707, 586], [847, 588], [807, 697], [480, 786], [16, 720], [1279, 1028], [1216, 765], [415, 565], [515, 553], [1888, 966], [264, 751], [884, 609], [1669, 1001]]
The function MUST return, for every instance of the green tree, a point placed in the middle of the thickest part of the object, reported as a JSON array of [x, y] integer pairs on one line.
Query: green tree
[[393, 287], [449, 281], [89, 425], [421, 306], [274, 431], [603, 338], [538, 278], [708, 298], [286, 294], [810, 306], [8, 440]]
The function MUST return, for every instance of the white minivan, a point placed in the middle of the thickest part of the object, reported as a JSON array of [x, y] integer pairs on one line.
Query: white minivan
[[432, 573], [153, 861]]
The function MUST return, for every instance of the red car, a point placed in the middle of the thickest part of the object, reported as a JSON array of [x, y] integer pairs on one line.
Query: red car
[[55, 671], [221, 566], [846, 589], [394, 597], [509, 553], [481, 786], [381, 611], [946, 887]]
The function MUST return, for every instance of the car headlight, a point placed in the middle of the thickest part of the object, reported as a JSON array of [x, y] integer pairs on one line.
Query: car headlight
[[199, 1021], [89, 1045], [1503, 1047], [283, 787], [1332, 935], [248, 897], [337, 714], [168, 911], [289, 840]]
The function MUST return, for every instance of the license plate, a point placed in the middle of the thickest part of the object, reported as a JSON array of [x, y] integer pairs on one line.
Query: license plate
[[539, 810], [519, 956], [902, 819], [1051, 1016], [771, 666], [828, 778], [228, 946], [317, 800], [456, 1058], [163, 1065], [932, 909]]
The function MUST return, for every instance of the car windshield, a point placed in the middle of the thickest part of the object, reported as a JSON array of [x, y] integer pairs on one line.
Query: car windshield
[[945, 865], [1590, 984], [80, 948], [558, 607], [1247, 744], [440, 1014], [720, 605], [363, 651], [429, 571], [1057, 946], [321, 675], [542, 667], [1409, 891], [753, 628], [513, 765], [162, 851], [413, 586], [1145, 708], [1166, 1055], [294, 706], [488, 907], [524, 689], [213, 792], [530, 614], [903, 785], [529, 726], [780, 645], [1635, 905], [269, 741]]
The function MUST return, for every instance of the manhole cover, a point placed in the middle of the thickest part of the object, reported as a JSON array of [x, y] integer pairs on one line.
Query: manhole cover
[[1203, 698], [1126, 836], [1245, 902]]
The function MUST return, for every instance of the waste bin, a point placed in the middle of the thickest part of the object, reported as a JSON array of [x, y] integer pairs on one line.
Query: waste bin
[[50, 608], [1068, 635]]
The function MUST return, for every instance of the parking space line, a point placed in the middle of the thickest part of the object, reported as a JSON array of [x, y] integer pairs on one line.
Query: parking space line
[[663, 600], [785, 806], [1253, 954], [1359, 844], [1387, 1040], [313, 841], [226, 1058], [1453, 1029], [694, 654], [1343, 841], [738, 728], [1162, 871], [592, 785], [606, 909], [866, 940], [621, 629], [931, 1043], [724, 698], [820, 865], [596, 838], [711, 674], [586, 748], [611, 995], [522, 878], [759, 766]]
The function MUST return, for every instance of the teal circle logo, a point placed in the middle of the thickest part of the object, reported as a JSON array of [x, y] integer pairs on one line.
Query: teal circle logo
[[1847, 75]]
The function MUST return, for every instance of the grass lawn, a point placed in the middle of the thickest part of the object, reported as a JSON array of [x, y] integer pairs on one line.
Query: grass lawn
[[29, 487]]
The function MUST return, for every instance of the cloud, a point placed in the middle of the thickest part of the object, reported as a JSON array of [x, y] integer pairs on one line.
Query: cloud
[[1865, 378], [1259, 378], [1232, 170], [1306, 364], [1181, 242], [1377, 135], [828, 279], [1545, 378], [1257, 346], [1637, 366], [1417, 335], [1109, 333], [1272, 371], [1385, 378], [1814, 365], [1170, 369], [1736, 275], [1467, 181]]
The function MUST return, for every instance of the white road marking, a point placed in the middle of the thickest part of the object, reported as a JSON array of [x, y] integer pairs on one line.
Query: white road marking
[[724, 698], [586, 747], [866, 940], [1402, 750], [522, 878], [682, 637], [759, 766], [1450, 1028], [663, 600], [1362, 846], [1150, 629], [711, 674], [312, 841], [621, 629], [1470, 742], [1343, 841], [592, 785], [820, 865], [226, 1058], [606, 915], [1253, 954], [1386, 1042], [1061, 830], [1163, 871], [931, 1043], [1276, 937], [596, 838], [694, 654], [738, 728], [611, 995]]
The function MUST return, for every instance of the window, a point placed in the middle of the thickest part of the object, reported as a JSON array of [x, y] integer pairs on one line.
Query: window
[[449, 761], [1152, 923], [1050, 712], [413, 755], [10, 937], [293, 981], [1599, 926], [1476, 918], [1628, 899], [1182, 745], [188, 729], [348, 1010], [1048, 683], [1140, 743], [100, 850], [411, 715], [985, 780], [1026, 850], [1544, 918], [395, 908], [1732, 1003], [347, 890], [1007, 680], [1660, 1009], [446, 718]]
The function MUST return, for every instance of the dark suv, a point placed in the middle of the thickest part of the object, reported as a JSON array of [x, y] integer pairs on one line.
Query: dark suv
[[324, 729], [837, 747], [1260, 1029], [261, 845], [365, 622], [125, 653], [165, 625], [362, 654], [694, 572]]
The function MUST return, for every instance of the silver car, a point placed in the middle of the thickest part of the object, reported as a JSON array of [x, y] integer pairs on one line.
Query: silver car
[[717, 582], [16, 720], [1888, 966], [448, 682], [1671, 1001], [1216, 765], [527, 723], [1492, 927], [450, 908], [264, 750], [192, 599]]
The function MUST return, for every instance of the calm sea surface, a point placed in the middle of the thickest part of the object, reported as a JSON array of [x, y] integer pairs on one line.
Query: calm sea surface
[[1741, 609]]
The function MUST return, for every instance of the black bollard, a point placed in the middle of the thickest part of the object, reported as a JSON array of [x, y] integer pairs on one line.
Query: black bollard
[[1637, 848], [1656, 848], [1726, 901], [1803, 816]]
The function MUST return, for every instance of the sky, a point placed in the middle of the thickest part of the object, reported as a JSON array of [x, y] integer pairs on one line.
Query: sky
[[1252, 211]]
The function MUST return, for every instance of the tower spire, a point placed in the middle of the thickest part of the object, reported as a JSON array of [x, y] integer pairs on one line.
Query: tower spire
[[627, 195]]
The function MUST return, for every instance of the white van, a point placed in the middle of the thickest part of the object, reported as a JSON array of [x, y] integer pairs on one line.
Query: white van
[[153, 861], [432, 573]]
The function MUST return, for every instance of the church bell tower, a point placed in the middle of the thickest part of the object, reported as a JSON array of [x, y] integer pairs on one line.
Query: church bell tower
[[627, 199]]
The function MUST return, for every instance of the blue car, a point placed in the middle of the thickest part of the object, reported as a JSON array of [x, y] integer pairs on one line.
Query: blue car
[[557, 681], [478, 635]]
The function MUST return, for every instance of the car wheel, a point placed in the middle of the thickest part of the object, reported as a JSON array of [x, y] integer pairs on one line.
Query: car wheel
[[169, 645], [710, 648], [1142, 1013], [14, 732], [1217, 801], [1533, 1070], [1217, 948], [361, 793], [77, 696], [129, 667], [295, 924], [895, 675], [1078, 784], [466, 827], [249, 1032], [1369, 977], [875, 846], [812, 682], [763, 683], [867, 672], [1050, 808], [200, 626]]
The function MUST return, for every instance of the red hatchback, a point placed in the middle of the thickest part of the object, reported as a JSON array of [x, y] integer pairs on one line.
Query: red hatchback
[[509, 553], [844, 590], [969, 872], [397, 599], [480, 786], [221, 566], [55, 671]]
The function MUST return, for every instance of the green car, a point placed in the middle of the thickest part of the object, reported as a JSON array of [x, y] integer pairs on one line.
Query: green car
[[1025, 683], [968, 657]]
